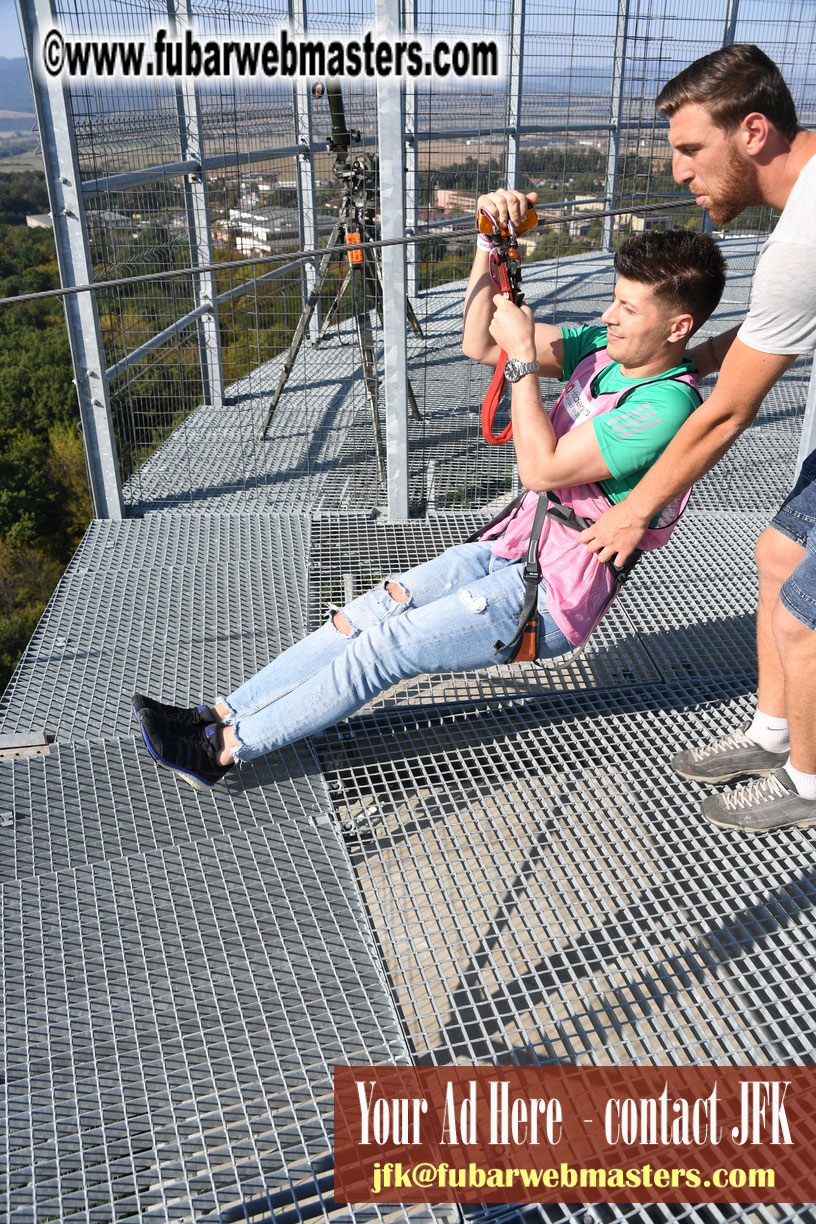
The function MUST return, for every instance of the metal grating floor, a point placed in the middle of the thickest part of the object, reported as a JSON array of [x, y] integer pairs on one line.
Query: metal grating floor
[[91, 801], [537, 899], [174, 605], [664, 1213], [173, 1018], [757, 473], [520, 877]]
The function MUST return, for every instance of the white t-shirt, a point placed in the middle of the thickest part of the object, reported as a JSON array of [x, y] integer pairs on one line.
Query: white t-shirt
[[782, 313]]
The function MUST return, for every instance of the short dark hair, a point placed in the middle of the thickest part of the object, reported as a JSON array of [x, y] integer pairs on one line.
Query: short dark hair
[[684, 267], [730, 84]]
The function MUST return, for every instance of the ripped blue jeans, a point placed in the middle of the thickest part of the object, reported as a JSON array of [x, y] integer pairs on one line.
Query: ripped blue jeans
[[460, 604]]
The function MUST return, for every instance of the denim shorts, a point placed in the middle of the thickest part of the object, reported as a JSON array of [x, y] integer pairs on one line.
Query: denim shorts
[[796, 519]]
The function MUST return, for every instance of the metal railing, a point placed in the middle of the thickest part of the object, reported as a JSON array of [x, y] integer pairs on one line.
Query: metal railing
[[148, 179]]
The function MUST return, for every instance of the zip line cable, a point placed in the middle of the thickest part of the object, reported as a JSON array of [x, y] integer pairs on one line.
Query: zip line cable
[[293, 256]]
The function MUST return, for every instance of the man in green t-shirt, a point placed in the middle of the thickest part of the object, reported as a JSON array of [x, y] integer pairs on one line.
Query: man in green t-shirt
[[630, 382], [631, 437], [653, 269]]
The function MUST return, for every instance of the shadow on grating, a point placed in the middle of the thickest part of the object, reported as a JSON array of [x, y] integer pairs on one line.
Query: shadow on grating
[[692, 604], [471, 744], [172, 1022], [215, 460], [656, 1213], [757, 472], [181, 607], [544, 889]]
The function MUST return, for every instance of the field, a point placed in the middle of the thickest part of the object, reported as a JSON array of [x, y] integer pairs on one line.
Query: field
[[19, 141]]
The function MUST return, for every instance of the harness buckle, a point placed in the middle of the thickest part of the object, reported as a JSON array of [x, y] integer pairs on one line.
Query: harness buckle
[[566, 515], [622, 572]]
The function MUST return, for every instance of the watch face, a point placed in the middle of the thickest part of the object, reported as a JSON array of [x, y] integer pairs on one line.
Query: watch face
[[514, 370]]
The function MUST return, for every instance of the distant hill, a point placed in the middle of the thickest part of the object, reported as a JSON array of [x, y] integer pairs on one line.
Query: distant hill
[[15, 87]]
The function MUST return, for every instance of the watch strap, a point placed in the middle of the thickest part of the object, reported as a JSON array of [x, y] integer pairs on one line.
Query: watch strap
[[514, 370]]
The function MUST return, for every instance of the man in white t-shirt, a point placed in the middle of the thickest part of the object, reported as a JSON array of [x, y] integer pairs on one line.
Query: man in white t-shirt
[[735, 142]]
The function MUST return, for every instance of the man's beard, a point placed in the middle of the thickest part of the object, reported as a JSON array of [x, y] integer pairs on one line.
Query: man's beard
[[737, 189]]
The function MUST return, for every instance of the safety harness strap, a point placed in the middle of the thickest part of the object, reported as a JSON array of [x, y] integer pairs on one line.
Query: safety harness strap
[[567, 516], [505, 515], [549, 505], [525, 639]]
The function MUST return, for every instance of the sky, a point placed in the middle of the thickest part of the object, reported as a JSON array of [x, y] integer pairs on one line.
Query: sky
[[11, 45]]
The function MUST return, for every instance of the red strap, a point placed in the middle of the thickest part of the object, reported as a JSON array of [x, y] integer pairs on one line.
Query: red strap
[[487, 223], [490, 406]]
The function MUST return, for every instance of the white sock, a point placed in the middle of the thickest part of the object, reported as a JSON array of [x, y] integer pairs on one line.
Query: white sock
[[770, 733], [805, 783]]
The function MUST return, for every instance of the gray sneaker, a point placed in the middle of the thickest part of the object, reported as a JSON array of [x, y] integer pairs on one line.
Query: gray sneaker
[[761, 806], [732, 756]]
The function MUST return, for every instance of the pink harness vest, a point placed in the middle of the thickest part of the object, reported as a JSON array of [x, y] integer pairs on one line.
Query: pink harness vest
[[580, 588]]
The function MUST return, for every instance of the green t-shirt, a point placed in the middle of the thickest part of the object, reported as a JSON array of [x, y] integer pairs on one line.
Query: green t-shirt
[[632, 436]]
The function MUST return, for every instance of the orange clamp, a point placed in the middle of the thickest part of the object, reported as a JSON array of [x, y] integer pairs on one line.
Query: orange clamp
[[354, 257], [486, 227]]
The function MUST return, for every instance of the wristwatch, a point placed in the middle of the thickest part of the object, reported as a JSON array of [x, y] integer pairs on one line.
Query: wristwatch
[[514, 370]]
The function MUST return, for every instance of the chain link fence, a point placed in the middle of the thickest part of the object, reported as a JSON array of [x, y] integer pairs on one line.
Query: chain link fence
[[176, 174]]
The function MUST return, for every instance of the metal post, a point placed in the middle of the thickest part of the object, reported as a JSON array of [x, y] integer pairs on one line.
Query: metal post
[[615, 110], [304, 163], [411, 164], [55, 122], [513, 117], [731, 14], [198, 221], [807, 441], [392, 212]]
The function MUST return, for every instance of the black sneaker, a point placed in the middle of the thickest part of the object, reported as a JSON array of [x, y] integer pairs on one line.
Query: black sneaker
[[191, 752], [195, 715]]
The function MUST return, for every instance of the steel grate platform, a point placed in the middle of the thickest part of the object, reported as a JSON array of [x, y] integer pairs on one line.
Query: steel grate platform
[[178, 606], [539, 898], [756, 473], [89, 802], [692, 604], [655, 1213], [172, 1021], [521, 877]]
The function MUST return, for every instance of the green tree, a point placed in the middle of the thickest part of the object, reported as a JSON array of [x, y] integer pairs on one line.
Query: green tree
[[44, 501]]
